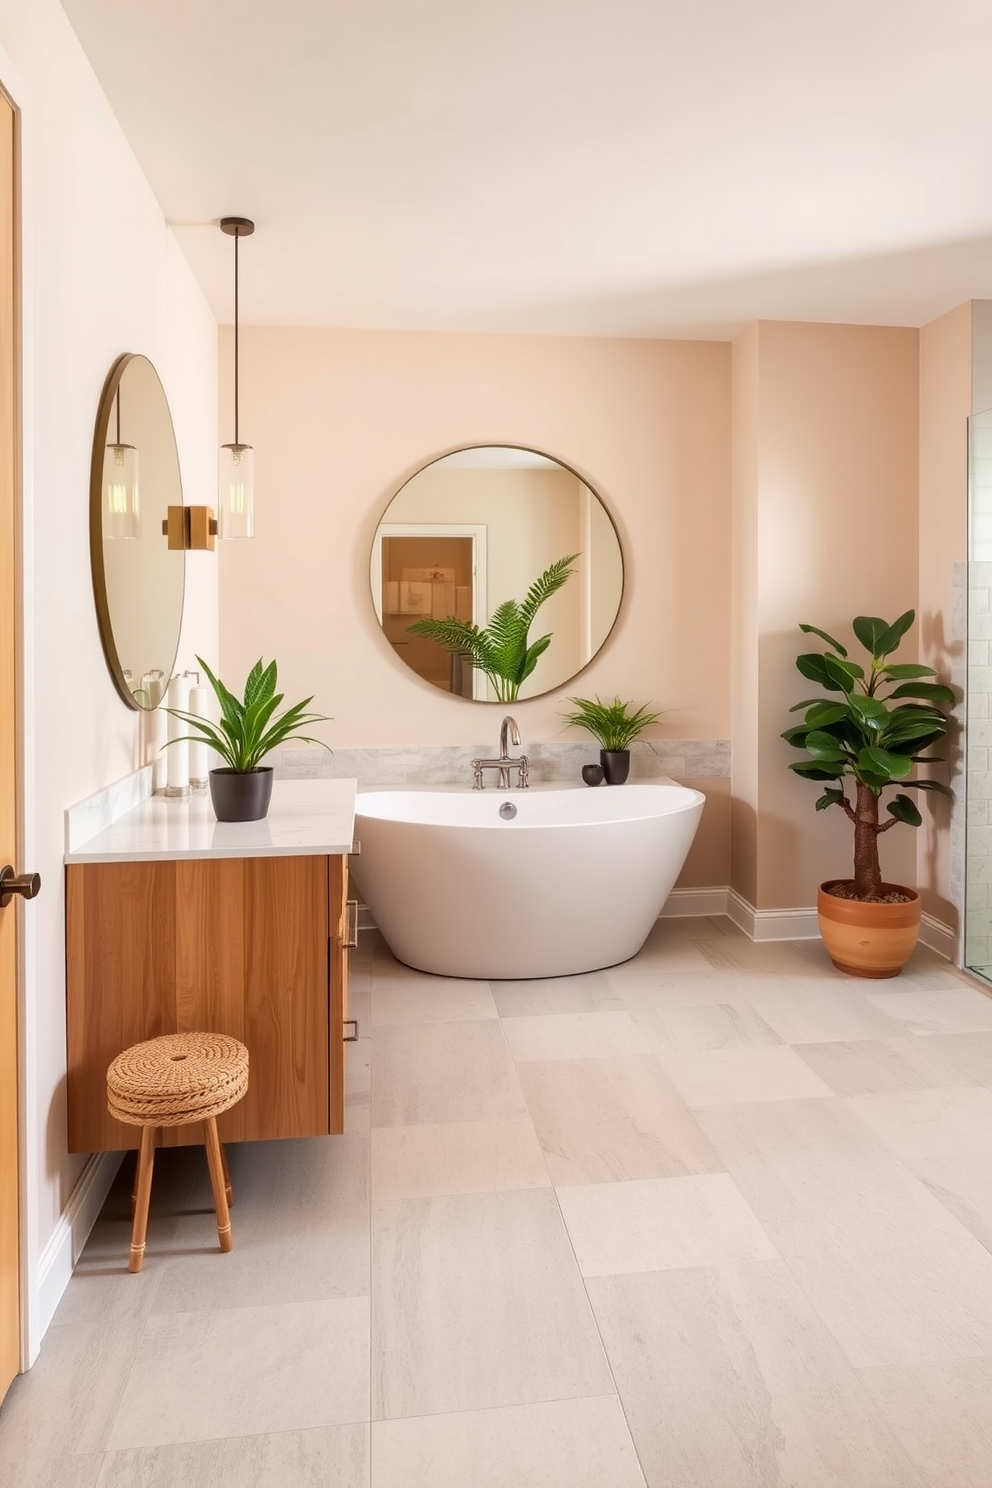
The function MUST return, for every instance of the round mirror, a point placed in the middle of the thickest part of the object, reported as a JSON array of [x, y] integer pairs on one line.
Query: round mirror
[[496, 573], [138, 581]]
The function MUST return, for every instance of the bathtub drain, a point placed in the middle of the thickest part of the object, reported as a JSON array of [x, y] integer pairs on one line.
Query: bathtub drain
[[508, 811]]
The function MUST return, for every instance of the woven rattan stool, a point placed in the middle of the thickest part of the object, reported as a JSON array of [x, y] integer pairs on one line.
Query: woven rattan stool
[[175, 1080]]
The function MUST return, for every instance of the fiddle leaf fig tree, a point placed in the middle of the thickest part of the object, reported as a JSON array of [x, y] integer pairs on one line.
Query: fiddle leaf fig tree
[[869, 735]]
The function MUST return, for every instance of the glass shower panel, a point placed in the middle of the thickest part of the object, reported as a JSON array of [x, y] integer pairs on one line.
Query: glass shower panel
[[978, 732]]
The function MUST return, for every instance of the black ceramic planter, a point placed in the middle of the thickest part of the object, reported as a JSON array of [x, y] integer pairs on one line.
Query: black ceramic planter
[[616, 765], [241, 795], [592, 774]]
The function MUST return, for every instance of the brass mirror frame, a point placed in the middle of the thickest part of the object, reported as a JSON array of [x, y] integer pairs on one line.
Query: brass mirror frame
[[528, 449], [98, 570]]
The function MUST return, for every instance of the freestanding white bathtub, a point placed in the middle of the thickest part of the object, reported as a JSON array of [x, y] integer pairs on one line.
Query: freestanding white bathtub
[[574, 881]]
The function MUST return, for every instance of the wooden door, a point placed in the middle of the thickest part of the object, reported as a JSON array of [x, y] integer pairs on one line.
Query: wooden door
[[9, 589]]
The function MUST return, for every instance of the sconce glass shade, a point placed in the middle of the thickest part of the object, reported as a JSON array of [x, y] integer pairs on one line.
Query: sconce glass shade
[[122, 513], [236, 491]]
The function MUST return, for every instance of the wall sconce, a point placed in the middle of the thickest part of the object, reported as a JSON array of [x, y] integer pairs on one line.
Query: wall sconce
[[236, 475], [122, 515], [193, 527]]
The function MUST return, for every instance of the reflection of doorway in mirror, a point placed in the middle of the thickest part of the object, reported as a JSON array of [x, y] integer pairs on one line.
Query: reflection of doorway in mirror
[[430, 571]]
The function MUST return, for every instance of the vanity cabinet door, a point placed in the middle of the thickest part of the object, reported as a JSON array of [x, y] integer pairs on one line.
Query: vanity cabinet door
[[338, 977], [239, 946]]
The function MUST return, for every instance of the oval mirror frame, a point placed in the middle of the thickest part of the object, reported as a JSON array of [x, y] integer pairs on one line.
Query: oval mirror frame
[[152, 516], [599, 618]]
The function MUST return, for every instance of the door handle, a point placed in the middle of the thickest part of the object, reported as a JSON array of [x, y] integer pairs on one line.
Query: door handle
[[351, 943], [11, 883]]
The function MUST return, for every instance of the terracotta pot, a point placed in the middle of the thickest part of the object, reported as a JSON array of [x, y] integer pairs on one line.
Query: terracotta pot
[[240, 797], [868, 940]]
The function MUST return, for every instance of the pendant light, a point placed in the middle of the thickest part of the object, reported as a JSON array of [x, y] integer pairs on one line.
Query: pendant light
[[235, 490], [121, 513]]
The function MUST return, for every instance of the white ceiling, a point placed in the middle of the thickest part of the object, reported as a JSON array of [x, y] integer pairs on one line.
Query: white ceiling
[[603, 167]]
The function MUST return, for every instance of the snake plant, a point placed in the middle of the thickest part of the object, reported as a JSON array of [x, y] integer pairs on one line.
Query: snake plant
[[250, 727], [500, 649]]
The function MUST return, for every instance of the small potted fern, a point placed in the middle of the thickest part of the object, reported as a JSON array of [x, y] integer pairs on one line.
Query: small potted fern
[[249, 729], [502, 649], [615, 727]]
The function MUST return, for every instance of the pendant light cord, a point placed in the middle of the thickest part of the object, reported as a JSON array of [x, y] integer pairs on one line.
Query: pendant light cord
[[236, 440], [117, 400]]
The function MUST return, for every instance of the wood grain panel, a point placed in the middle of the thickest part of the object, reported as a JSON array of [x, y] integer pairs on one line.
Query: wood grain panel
[[286, 995], [338, 981], [237, 946]]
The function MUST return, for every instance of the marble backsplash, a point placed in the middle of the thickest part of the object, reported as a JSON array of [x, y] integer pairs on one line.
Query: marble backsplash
[[682, 759]]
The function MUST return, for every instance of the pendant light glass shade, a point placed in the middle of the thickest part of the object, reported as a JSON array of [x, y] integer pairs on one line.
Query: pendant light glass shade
[[236, 468], [235, 491], [121, 512]]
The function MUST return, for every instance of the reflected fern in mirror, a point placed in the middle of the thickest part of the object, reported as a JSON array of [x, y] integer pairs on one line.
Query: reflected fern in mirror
[[502, 649]]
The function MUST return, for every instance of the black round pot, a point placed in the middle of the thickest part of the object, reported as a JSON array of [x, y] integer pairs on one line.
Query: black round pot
[[616, 765], [239, 795], [592, 774]]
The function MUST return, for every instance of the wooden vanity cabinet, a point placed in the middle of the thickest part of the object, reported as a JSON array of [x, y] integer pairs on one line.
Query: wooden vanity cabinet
[[255, 947]]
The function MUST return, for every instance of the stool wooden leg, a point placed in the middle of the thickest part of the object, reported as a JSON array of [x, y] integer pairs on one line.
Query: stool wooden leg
[[228, 1190], [143, 1193], [216, 1164]]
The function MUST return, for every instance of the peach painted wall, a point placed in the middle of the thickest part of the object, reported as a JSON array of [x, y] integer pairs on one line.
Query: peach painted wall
[[945, 403], [340, 419], [744, 684], [826, 474]]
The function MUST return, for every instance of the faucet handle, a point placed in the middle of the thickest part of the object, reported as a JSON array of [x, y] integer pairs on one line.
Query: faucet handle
[[523, 770], [477, 771]]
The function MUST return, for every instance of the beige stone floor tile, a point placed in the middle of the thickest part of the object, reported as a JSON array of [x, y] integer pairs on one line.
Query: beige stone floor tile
[[962, 1182], [724, 1077], [814, 1012], [430, 1000], [953, 1009], [881, 1066], [358, 1086], [202, 1376], [560, 1444], [693, 927], [602, 1120], [729, 1380], [909, 1303], [574, 1036], [940, 1414], [970, 1054], [67, 1401], [410, 1162], [776, 957], [642, 989], [929, 1123], [695, 1028], [444, 1072], [655, 1224], [55, 1472], [590, 993], [820, 1181], [300, 1223], [328, 1457], [478, 1302], [677, 954]]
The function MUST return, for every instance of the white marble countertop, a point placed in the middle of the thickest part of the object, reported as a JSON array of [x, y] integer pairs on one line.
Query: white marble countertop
[[307, 818]]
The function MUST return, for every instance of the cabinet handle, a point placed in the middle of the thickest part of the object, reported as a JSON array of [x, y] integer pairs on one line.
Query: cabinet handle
[[351, 1038], [351, 944]]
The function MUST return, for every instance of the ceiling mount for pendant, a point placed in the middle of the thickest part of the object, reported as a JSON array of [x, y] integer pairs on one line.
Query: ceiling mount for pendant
[[235, 492]]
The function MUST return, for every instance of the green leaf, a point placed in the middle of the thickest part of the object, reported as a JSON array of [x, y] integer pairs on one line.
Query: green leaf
[[796, 736], [814, 630], [817, 770], [814, 666], [611, 723], [927, 785], [844, 672], [936, 692], [890, 640], [905, 810], [829, 798], [869, 630], [870, 712], [824, 746], [808, 703], [907, 669], [822, 714], [881, 762]]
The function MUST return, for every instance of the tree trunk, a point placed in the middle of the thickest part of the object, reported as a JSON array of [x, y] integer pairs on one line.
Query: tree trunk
[[867, 871]]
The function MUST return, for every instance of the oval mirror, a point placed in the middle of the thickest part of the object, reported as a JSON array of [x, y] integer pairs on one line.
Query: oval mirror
[[138, 581], [496, 573]]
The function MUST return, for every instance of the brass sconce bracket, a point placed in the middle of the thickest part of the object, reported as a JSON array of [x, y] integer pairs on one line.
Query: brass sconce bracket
[[193, 527]]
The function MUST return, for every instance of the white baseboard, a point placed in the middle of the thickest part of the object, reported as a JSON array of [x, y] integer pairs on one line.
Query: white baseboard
[[688, 903], [772, 924], [72, 1231], [939, 937]]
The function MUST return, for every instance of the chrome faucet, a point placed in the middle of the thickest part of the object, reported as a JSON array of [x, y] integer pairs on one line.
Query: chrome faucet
[[508, 734]]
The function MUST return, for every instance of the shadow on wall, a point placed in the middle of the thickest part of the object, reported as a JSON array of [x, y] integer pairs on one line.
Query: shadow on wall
[[948, 656]]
